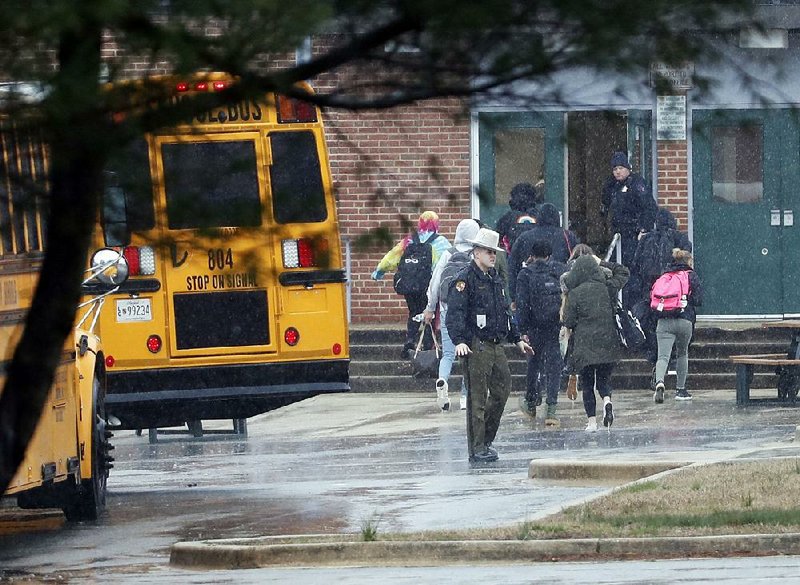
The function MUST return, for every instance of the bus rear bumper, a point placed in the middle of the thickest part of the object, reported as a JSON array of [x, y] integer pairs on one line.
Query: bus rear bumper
[[169, 397]]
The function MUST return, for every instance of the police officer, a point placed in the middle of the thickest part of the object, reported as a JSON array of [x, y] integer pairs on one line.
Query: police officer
[[629, 199], [479, 321]]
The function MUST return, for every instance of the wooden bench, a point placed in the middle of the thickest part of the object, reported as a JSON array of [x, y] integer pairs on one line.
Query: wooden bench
[[788, 376]]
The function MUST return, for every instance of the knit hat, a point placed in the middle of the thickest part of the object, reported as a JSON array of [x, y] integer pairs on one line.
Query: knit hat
[[428, 222], [620, 159]]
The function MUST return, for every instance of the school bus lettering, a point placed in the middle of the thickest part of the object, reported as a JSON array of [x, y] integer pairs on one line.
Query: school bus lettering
[[197, 282], [240, 112], [218, 259], [244, 280]]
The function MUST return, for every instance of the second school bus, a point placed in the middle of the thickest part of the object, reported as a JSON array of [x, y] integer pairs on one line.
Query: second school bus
[[235, 303]]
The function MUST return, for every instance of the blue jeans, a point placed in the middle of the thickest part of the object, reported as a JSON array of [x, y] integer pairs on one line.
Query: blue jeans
[[448, 352], [544, 366]]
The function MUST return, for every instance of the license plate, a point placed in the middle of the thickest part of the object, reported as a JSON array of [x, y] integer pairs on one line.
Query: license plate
[[133, 310]]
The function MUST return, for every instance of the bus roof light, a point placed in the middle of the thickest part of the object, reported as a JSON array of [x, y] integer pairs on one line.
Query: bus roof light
[[219, 85], [201, 86], [182, 86]]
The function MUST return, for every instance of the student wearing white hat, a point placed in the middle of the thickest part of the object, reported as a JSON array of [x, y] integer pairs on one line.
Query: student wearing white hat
[[479, 322]]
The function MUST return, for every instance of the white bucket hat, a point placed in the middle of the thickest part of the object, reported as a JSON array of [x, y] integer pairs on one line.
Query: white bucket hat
[[486, 238]]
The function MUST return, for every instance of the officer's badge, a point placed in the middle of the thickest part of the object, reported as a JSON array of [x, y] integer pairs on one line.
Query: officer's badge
[[461, 285]]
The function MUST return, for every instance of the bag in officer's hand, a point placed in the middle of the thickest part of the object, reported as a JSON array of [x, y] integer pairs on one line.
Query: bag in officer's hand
[[425, 363]]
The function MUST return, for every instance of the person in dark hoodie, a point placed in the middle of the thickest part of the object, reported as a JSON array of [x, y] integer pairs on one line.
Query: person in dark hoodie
[[523, 201], [627, 196], [547, 228], [653, 256]]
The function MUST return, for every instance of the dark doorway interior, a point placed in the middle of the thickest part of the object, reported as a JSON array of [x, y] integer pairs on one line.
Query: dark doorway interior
[[592, 139]]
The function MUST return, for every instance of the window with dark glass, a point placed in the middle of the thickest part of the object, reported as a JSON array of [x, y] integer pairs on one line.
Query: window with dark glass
[[211, 184], [298, 195], [737, 163], [128, 194]]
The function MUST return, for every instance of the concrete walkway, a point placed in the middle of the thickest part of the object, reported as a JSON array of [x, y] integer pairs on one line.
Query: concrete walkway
[[646, 439]]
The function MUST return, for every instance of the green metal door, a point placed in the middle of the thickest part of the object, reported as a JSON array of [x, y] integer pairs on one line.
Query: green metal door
[[746, 169], [516, 147]]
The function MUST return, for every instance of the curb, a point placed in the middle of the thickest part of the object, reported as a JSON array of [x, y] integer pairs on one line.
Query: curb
[[255, 553], [601, 470]]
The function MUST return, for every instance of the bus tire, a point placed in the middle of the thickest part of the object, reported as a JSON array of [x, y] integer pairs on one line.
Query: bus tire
[[195, 427], [89, 500], [240, 426]]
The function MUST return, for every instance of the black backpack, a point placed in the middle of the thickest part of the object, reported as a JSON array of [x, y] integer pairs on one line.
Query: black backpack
[[522, 224], [415, 268], [455, 264], [654, 253], [544, 297]]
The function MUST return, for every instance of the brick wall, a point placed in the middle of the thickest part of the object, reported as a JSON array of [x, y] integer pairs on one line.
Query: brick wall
[[387, 167], [673, 184]]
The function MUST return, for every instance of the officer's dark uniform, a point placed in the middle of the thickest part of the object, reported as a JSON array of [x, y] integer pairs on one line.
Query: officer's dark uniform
[[478, 315], [632, 208]]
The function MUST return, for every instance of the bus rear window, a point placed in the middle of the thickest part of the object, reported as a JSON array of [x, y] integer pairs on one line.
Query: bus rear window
[[211, 184], [128, 198], [298, 195]]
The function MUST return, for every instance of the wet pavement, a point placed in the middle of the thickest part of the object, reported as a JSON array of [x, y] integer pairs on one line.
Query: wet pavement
[[334, 464]]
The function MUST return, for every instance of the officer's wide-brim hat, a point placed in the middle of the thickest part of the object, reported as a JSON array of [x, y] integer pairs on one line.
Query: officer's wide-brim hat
[[486, 238]]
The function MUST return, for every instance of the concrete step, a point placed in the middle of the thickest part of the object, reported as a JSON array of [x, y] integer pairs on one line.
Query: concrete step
[[376, 365]]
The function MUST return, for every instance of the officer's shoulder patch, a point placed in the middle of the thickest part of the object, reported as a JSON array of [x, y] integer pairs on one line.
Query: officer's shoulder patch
[[461, 285]]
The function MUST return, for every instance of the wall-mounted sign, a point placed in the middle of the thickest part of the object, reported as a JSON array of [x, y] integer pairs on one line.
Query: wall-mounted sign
[[677, 77], [671, 117]]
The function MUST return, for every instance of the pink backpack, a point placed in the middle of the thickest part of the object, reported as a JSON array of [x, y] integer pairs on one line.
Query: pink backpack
[[670, 292]]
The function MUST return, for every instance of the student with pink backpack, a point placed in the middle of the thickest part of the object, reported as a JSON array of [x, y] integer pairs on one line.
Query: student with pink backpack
[[673, 298]]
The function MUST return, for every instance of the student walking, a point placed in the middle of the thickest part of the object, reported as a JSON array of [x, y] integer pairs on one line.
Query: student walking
[[451, 262], [538, 307], [589, 315], [675, 320], [479, 322], [412, 259]]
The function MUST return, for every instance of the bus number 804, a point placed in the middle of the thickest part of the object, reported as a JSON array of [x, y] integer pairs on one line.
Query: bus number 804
[[218, 259]]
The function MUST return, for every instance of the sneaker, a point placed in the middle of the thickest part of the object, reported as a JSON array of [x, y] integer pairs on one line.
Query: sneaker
[[463, 401], [485, 456], [491, 450], [658, 396], [551, 420], [591, 425], [608, 415], [442, 398], [682, 394], [527, 407]]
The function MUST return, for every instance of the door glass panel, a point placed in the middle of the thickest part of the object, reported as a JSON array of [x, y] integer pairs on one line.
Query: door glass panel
[[737, 154], [519, 158]]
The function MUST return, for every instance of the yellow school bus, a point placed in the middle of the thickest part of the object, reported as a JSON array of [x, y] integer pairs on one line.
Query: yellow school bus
[[67, 461], [235, 303]]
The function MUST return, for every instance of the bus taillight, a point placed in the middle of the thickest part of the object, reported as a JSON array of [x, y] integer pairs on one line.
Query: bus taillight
[[298, 253], [291, 336], [154, 343], [292, 110], [110, 361], [141, 260], [337, 348]]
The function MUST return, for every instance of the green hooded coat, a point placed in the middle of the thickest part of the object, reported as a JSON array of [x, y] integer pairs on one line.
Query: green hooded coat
[[588, 312]]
